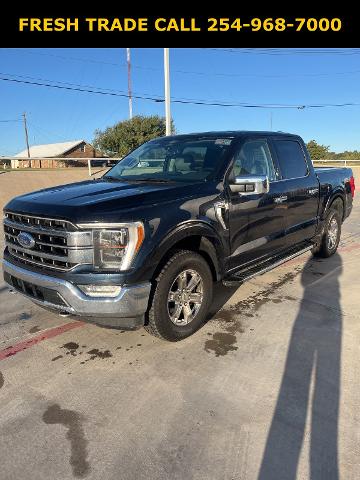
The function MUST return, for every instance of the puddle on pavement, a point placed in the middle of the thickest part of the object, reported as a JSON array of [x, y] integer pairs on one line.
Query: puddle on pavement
[[71, 348], [221, 344], [256, 301], [73, 421], [228, 320], [96, 353], [56, 358], [35, 329], [25, 316]]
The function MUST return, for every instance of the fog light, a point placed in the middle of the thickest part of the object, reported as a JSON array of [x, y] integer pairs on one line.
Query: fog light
[[101, 290]]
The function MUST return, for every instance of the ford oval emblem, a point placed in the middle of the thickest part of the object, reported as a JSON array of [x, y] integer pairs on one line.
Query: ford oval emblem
[[26, 240]]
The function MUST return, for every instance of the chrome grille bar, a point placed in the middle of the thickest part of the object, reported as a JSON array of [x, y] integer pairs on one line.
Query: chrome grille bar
[[34, 229], [58, 243]]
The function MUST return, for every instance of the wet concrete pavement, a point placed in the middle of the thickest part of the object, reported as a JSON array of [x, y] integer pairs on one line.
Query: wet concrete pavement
[[267, 389]]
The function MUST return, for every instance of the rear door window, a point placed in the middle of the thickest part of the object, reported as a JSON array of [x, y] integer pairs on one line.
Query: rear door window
[[291, 159]]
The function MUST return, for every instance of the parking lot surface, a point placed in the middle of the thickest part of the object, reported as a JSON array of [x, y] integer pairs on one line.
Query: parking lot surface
[[267, 389]]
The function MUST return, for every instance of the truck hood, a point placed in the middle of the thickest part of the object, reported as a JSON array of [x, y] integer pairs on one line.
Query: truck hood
[[100, 199]]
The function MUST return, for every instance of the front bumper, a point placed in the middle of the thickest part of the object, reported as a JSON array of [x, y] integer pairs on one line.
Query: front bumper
[[126, 310]]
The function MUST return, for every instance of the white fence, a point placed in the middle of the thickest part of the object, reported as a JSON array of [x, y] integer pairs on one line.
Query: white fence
[[36, 163], [343, 162]]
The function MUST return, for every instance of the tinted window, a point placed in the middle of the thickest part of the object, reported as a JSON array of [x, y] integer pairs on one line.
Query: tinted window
[[254, 158], [291, 159], [174, 159]]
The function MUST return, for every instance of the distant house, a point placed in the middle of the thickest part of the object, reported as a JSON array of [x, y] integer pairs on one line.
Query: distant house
[[41, 155]]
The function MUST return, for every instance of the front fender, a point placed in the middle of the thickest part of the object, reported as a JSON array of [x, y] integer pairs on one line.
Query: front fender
[[209, 241]]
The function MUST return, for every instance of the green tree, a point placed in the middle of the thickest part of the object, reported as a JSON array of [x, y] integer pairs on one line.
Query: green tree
[[124, 136], [317, 152], [350, 155]]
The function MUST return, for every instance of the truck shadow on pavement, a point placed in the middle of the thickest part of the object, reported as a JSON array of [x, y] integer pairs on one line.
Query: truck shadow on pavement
[[311, 381]]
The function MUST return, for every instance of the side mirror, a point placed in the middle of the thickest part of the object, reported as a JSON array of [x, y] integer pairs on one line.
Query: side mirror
[[250, 185]]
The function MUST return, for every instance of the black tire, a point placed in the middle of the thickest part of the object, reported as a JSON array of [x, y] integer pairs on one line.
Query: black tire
[[329, 246], [158, 319]]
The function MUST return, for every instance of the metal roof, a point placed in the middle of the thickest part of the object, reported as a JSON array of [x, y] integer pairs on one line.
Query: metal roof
[[50, 150]]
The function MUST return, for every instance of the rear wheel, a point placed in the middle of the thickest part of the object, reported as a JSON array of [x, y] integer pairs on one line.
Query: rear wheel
[[331, 236], [182, 297]]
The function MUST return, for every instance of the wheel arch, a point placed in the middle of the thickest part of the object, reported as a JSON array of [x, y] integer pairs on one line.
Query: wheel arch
[[336, 198], [199, 238]]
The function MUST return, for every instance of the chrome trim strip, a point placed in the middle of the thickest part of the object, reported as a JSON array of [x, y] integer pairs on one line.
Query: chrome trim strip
[[64, 246], [43, 265], [281, 199], [105, 225], [40, 218], [74, 256], [36, 253], [219, 207], [31, 228], [74, 240]]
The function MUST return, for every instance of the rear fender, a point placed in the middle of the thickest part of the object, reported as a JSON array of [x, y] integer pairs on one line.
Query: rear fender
[[336, 194]]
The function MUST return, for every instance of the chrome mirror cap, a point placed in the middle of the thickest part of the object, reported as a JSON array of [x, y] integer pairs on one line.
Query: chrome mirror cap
[[250, 185]]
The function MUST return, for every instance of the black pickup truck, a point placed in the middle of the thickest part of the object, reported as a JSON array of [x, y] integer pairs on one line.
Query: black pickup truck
[[144, 244]]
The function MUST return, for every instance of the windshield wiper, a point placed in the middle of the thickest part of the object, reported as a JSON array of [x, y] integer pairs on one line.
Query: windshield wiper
[[153, 180], [110, 177]]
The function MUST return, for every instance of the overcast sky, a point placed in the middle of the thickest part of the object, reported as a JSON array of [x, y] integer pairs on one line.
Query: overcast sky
[[258, 77]]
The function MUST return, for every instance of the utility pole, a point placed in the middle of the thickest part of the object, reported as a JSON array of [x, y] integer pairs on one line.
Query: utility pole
[[167, 91], [129, 82], [26, 134]]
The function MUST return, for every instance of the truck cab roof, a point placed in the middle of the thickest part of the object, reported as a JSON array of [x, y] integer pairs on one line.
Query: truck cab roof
[[232, 134]]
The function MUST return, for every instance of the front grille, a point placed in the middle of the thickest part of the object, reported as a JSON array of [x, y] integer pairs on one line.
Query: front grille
[[47, 223], [58, 244]]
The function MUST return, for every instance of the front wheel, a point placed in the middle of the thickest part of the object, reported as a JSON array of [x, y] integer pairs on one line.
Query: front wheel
[[331, 236], [182, 297]]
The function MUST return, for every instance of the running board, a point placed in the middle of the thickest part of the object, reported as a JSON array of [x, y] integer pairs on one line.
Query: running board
[[240, 277]]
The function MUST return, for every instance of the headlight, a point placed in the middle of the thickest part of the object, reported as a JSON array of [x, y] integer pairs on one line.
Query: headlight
[[116, 247]]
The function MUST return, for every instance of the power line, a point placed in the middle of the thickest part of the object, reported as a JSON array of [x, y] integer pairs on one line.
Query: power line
[[258, 75], [268, 51], [64, 57], [62, 83], [79, 88], [283, 51], [217, 103], [8, 121]]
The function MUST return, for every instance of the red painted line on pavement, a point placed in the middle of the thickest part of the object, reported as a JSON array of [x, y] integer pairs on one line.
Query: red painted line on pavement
[[349, 248], [51, 333]]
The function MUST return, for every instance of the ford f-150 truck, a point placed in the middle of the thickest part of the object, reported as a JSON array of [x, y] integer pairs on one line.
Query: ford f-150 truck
[[144, 244]]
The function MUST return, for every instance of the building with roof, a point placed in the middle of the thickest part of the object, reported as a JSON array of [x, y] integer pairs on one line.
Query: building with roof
[[41, 155]]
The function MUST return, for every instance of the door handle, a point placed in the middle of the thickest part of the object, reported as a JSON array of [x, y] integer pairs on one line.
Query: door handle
[[312, 191], [281, 199]]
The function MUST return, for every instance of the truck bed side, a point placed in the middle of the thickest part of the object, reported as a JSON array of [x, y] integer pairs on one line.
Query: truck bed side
[[334, 182]]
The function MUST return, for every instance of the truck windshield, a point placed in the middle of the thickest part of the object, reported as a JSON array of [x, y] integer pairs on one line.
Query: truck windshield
[[173, 160]]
